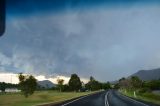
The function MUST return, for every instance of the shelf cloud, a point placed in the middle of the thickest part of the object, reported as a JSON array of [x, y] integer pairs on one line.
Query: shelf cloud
[[107, 43]]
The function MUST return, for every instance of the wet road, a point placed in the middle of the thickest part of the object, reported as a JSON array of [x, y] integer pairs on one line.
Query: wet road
[[105, 98]]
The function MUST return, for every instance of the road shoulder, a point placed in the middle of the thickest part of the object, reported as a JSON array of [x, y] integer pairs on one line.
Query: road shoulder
[[139, 100]]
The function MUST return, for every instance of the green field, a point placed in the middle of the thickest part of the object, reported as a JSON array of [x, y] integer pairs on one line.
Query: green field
[[39, 97], [148, 96]]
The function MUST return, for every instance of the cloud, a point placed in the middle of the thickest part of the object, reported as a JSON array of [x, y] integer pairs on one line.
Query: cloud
[[13, 78], [105, 43], [9, 78]]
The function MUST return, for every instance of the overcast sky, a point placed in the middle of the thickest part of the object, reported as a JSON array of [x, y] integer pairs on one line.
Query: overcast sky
[[107, 40]]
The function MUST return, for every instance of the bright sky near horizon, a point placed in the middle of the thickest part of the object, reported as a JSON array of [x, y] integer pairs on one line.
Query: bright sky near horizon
[[13, 78], [107, 39]]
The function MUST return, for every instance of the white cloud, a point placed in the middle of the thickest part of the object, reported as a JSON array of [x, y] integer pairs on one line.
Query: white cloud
[[9, 78]]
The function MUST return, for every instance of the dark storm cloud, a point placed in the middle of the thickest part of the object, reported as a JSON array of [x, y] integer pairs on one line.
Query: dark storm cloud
[[27, 7], [48, 46], [105, 43]]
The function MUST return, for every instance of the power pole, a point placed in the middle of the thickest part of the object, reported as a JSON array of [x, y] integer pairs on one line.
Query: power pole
[[11, 78]]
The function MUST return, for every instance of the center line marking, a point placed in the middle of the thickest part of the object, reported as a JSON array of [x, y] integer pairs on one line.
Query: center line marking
[[106, 99]]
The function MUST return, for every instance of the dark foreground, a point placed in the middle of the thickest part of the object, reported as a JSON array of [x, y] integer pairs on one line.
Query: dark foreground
[[105, 98]]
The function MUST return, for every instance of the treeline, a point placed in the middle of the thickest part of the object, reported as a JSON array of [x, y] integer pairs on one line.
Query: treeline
[[4, 85], [93, 85], [136, 84], [75, 84], [28, 84]]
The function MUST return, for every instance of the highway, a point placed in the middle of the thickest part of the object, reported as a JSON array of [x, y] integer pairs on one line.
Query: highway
[[105, 98]]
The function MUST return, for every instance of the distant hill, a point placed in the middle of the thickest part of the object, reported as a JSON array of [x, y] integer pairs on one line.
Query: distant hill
[[46, 84], [148, 74]]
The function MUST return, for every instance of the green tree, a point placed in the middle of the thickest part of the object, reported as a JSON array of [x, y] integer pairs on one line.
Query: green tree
[[122, 79], [60, 84], [116, 86], [92, 78], [106, 86], [124, 83], [27, 84], [65, 88], [136, 82], [75, 83], [93, 84], [153, 84], [3, 86]]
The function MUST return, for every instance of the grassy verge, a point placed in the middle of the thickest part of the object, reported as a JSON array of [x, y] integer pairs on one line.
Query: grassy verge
[[148, 96], [39, 97]]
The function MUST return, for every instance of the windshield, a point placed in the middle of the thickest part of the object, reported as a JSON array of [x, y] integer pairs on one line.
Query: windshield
[[55, 39]]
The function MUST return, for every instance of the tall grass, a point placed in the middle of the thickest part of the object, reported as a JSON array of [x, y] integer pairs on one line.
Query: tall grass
[[147, 96]]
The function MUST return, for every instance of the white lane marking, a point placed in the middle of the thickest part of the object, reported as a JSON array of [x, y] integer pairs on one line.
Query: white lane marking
[[75, 100], [106, 99], [134, 100]]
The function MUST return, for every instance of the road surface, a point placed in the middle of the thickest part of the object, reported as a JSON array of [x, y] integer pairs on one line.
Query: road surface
[[105, 98]]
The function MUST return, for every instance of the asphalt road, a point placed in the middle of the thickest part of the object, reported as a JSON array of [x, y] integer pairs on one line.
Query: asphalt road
[[105, 98], [116, 99]]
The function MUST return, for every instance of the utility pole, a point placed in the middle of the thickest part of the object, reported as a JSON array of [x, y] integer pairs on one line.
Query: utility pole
[[11, 78]]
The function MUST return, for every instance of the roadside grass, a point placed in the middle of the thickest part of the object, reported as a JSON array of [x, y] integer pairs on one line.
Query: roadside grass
[[39, 97], [148, 96]]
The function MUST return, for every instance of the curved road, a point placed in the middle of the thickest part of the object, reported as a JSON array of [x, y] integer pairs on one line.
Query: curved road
[[105, 98]]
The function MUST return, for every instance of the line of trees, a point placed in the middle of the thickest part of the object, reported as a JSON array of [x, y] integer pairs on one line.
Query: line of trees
[[28, 84], [136, 84], [75, 84], [4, 85], [93, 85]]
